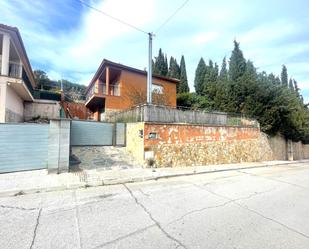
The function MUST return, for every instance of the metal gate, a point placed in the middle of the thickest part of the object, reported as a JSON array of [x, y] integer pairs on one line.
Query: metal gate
[[120, 136], [23, 147], [88, 133]]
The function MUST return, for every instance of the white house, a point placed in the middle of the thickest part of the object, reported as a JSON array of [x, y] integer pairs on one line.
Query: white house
[[16, 76]]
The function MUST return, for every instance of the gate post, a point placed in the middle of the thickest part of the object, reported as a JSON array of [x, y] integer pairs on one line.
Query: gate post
[[59, 146]]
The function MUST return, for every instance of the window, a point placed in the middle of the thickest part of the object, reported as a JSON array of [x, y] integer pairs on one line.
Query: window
[[157, 89]]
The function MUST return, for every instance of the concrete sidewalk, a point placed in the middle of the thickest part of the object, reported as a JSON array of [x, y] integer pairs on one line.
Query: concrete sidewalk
[[39, 181]]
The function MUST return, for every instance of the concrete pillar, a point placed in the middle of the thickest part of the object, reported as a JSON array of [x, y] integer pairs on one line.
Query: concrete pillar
[[59, 146], [5, 55], [3, 86], [107, 80]]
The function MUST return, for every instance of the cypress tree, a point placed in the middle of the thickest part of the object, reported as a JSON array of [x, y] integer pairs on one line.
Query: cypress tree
[[165, 66], [223, 76], [237, 65], [174, 70], [284, 76], [199, 76], [291, 85], [183, 84], [296, 87], [160, 66]]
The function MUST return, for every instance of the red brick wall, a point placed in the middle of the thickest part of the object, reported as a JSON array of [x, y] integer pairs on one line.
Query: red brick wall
[[188, 134]]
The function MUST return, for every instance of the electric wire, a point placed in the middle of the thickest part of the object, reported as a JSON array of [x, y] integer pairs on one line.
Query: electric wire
[[112, 17]]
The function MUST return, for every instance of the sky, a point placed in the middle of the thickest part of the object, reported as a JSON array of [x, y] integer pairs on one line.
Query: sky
[[68, 40]]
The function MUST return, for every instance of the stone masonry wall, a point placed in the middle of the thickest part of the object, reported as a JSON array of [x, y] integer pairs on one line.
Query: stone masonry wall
[[192, 145]]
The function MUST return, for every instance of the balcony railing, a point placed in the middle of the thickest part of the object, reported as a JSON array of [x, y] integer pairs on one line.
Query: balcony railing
[[100, 89], [114, 90], [15, 70]]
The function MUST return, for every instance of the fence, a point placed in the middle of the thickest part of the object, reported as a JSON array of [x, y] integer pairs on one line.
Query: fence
[[164, 114], [23, 147]]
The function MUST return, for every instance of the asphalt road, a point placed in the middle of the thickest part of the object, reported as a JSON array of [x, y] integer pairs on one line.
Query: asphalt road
[[254, 208]]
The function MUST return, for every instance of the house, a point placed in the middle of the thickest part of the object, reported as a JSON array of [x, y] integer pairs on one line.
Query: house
[[16, 76], [117, 87]]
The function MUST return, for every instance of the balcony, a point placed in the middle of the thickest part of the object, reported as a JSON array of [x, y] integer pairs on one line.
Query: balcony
[[15, 69], [100, 90]]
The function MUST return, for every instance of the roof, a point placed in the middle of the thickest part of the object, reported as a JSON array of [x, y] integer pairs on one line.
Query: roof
[[106, 63], [18, 42]]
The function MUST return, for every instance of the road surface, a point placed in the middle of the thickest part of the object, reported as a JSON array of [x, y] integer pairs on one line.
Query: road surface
[[248, 209]]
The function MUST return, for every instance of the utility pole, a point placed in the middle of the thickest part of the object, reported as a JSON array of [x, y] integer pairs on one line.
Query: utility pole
[[149, 74]]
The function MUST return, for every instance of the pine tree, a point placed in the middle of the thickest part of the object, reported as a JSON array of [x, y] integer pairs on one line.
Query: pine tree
[[284, 76], [199, 76], [183, 84], [237, 65]]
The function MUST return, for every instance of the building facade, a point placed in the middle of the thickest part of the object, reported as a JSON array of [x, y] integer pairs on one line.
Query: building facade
[[16, 76], [117, 87]]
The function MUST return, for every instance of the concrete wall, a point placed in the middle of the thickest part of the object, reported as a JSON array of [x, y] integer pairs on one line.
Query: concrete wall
[[46, 109], [2, 99], [59, 146], [135, 140], [14, 106], [306, 151], [278, 146]]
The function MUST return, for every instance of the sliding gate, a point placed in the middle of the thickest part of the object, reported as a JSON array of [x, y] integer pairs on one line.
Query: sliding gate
[[88, 133]]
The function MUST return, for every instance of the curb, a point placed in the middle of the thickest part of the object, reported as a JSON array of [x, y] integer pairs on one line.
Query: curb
[[110, 182]]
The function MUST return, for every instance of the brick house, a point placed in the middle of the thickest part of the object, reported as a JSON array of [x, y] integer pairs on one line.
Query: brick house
[[16, 77], [117, 87]]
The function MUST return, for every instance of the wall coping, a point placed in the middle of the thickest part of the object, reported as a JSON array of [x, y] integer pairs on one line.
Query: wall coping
[[204, 125]]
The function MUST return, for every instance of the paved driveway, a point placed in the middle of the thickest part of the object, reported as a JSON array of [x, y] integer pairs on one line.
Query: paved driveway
[[254, 208]]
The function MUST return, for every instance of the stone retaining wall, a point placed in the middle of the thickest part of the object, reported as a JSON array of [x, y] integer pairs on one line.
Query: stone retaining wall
[[172, 145], [191, 145]]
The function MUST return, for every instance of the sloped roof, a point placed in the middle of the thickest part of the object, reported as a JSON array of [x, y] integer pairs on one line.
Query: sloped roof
[[106, 63]]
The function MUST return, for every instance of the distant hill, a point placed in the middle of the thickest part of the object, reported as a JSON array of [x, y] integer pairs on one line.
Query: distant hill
[[73, 91]]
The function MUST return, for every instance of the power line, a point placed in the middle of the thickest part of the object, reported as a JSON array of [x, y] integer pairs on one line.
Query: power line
[[112, 17], [169, 18]]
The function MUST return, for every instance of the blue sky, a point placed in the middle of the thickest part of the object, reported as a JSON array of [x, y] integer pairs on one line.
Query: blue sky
[[68, 40]]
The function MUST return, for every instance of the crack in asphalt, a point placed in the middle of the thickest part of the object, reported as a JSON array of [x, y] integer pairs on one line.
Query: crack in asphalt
[[79, 239], [260, 214], [153, 219], [272, 179], [215, 206], [143, 193], [18, 208], [36, 228], [125, 236]]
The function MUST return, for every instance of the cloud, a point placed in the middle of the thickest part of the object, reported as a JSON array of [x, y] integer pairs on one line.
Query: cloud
[[81, 48], [69, 40], [205, 37]]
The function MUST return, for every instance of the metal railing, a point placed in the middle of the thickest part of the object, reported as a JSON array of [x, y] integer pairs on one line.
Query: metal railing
[[15, 70], [166, 114]]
